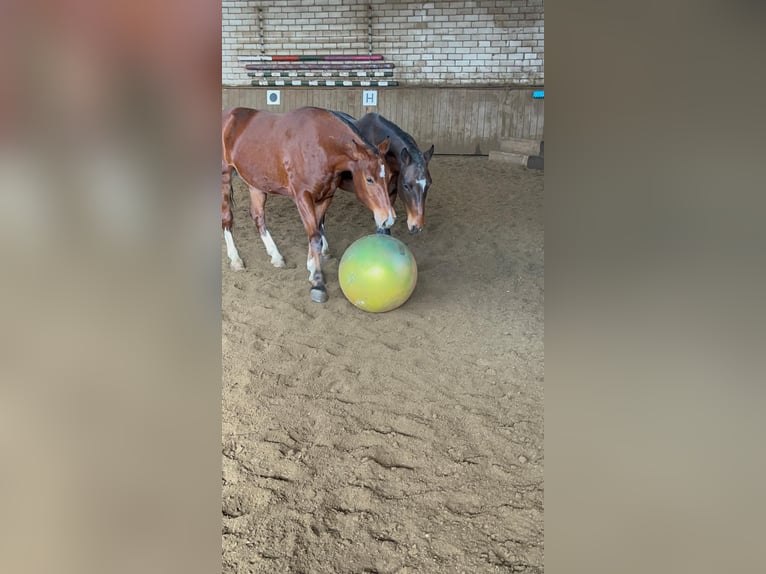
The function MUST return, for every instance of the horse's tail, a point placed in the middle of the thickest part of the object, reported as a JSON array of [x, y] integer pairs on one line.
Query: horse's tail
[[228, 137], [231, 191]]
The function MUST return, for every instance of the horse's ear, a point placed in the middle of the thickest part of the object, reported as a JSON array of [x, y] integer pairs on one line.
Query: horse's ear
[[359, 147], [405, 156], [429, 153], [383, 146]]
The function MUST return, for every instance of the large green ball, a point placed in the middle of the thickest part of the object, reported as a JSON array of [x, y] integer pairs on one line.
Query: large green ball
[[377, 273]]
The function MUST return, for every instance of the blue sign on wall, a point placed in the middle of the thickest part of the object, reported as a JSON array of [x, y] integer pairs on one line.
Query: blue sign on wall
[[538, 94]]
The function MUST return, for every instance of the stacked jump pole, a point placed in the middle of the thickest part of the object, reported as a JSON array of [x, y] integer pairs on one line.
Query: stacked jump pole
[[319, 70]]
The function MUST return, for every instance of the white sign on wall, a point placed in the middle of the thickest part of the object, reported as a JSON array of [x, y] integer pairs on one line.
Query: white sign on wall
[[370, 98], [272, 97]]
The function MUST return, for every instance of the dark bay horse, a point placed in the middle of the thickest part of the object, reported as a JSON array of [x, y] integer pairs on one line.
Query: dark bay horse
[[410, 177], [302, 154]]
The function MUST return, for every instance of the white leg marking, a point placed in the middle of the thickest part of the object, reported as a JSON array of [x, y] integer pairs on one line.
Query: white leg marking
[[271, 248], [325, 245], [231, 251], [310, 266]]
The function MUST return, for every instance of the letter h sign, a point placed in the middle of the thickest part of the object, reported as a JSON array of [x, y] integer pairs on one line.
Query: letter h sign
[[370, 98]]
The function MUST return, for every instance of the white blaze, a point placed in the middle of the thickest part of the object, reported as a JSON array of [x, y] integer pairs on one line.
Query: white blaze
[[382, 170], [422, 184]]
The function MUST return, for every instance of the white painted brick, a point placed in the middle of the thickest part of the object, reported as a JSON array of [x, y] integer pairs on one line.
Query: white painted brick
[[461, 42]]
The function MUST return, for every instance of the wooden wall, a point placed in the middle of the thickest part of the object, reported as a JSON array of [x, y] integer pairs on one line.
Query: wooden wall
[[458, 120]]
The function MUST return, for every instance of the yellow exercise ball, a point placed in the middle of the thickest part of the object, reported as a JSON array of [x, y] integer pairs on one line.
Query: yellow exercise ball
[[378, 273]]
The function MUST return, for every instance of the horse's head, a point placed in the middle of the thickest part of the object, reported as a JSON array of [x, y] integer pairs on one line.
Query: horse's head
[[371, 177], [413, 184]]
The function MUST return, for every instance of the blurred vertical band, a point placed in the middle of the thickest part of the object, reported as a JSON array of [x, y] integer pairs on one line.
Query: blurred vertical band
[[109, 303], [655, 269]]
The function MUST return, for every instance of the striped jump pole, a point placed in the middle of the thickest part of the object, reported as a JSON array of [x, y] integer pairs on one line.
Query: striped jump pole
[[328, 83], [325, 58], [321, 66], [323, 74]]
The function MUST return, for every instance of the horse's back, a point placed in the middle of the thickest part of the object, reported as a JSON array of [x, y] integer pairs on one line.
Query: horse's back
[[302, 124], [260, 144]]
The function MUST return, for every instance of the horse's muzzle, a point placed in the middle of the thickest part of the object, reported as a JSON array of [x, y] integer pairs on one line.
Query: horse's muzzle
[[414, 229], [385, 223]]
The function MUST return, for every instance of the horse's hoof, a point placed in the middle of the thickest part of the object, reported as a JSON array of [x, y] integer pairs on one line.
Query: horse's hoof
[[237, 265], [319, 294], [278, 262]]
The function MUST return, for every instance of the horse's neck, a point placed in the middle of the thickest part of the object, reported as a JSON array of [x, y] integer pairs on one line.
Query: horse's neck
[[342, 155]]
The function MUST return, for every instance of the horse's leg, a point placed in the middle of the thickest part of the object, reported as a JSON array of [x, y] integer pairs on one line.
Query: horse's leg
[[227, 218], [307, 211], [320, 209], [257, 212], [325, 244]]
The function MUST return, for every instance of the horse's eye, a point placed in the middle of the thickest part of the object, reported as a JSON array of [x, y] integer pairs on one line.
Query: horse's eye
[[369, 180], [407, 186]]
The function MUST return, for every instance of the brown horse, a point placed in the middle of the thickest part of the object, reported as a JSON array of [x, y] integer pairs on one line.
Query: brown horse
[[302, 154], [410, 177]]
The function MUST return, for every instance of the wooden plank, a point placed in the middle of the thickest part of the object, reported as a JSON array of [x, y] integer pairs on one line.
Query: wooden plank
[[457, 106], [481, 124], [439, 112], [427, 120], [475, 133], [516, 116], [520, 145], [531, 117], [468, 122], [406, 112], [525, 118], [451, 131], [470, 118], [289, 100], [540, 109], [505, 115]]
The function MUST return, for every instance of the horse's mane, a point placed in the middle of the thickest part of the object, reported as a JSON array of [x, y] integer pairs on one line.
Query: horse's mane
[[349, 121], [409, 143]]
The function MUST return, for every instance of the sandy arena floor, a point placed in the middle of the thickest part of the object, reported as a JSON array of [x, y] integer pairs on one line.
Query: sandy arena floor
[[405, 442]]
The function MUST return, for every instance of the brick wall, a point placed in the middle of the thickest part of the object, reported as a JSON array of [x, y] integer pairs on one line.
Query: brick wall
[[489, 42]]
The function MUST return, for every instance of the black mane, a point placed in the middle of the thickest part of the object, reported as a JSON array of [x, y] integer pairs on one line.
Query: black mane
[[412, 147], [349, 121]]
